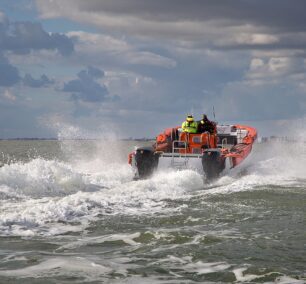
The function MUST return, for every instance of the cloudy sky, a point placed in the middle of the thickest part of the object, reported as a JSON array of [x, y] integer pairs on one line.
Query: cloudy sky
[[135, 67]]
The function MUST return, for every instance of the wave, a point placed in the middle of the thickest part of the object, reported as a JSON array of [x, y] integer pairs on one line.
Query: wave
[[51, 197]]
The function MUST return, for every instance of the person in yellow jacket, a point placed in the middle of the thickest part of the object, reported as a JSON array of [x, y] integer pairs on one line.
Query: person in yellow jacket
[[189, 125]]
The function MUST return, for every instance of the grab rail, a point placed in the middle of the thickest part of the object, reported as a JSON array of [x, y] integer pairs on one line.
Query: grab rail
[[185, 160], [207, 134], [179, 148], [222, 144]]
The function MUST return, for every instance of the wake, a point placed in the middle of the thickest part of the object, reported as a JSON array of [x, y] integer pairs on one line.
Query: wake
[[50, 197]]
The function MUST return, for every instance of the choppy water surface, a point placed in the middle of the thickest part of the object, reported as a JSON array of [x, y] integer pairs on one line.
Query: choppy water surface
[[71, 213]]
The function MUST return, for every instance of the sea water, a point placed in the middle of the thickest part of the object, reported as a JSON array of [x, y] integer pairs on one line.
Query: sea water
[[70, 212]]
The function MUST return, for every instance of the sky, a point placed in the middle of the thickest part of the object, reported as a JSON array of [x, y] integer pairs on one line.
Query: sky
[[131, 68]]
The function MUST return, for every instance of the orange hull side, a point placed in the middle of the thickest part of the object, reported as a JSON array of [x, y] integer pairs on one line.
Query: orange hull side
[[240, 151], [252, 133]]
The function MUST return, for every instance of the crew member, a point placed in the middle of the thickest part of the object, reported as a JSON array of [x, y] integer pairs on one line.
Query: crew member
[[205, 125], [190, 126]]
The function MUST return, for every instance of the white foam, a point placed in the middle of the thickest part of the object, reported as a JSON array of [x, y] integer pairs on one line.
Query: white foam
[[40, 178], [269, 164], [245, 277], [79, 266], [52, 194], [198, 267], [241, 277], [126, 238], [206, 267], [287, 280]]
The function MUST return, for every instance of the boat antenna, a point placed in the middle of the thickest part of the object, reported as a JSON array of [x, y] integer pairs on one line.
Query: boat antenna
[[214, 113]]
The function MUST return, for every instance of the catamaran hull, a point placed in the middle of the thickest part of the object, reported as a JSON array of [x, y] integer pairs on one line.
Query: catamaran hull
[[145, 162]]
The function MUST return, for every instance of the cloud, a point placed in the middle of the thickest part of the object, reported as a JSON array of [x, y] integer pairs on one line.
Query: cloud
[[92, 72], [86, 88], [9, 95], [43, 81], [22, 37], [243, 100], [276, 12], [196, 21], [163, 59], [276, 69], [102, 48], [9, 74]]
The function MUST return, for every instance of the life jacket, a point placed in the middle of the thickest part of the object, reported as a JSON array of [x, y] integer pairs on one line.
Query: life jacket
[[190, 127]]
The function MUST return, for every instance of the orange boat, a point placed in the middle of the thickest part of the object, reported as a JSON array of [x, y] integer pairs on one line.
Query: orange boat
[[207, 153]]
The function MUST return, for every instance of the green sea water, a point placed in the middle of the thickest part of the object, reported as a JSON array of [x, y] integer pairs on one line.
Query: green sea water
[[70, 212]]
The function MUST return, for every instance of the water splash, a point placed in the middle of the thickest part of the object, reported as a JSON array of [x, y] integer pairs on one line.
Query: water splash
[[51, 197]]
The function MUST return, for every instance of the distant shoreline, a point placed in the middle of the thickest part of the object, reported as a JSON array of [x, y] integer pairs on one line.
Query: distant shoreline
[[74, 139], [261, 140], [12, 139]]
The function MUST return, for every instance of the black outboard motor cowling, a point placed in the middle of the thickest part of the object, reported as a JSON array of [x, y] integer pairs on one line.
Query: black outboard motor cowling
[[146, 161], [213, 164]]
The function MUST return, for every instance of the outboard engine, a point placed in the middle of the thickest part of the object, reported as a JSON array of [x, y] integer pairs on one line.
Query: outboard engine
[[146, 161], [213, 164]]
